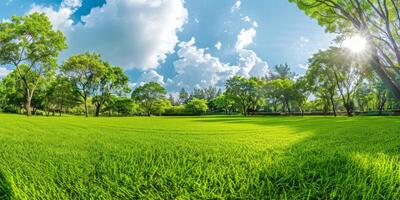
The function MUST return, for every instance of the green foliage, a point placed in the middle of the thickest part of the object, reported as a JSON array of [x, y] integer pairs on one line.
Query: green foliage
[[224, 102], [85, 71], [30, 45], [112, 82], [199, 158], [148, 95], [376, 20], [197, 106], [246, 93]]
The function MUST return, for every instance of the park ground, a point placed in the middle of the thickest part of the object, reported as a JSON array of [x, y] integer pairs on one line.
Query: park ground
[[214, 157]]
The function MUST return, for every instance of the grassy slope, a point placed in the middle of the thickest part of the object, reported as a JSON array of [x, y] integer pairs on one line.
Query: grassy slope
[[212, 157]]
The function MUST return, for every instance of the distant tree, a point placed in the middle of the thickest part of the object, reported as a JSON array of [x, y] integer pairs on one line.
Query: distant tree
[[85, 71], [160, 106], [62, 95], [30, 44], [381, 94], [245, 92], [198, 93], [120, 106], [321, 79], [363, 96], [183, 96], [113, 82], [172, 100], [224, 102], [273, 93], [147, 95], [210, 93], [282, 71], [12, 93], [197, 106], [301, 92]]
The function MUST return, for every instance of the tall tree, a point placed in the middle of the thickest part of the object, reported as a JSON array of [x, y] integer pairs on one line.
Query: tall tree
[[245, 92], [148, 95], [321, 79], [30, 44], [85, 71], [377, 20], [113, 81], [183, 96], [282, 71]]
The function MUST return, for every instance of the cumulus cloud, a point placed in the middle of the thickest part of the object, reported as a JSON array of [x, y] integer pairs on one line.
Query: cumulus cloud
[[4, 72], [130, 33], [218, 45], [151, 76], [60, 18], [245, 38], [251, 65], [255, 24], [196, 68], [246, 19], [236, 6]]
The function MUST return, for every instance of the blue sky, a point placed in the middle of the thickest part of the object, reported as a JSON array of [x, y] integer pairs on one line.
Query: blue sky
[[174, 42]]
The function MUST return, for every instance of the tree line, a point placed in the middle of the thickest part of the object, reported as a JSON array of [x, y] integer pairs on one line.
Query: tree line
[[86, 84]]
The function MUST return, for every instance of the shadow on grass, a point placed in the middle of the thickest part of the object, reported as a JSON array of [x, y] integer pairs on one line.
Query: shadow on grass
[[5, 188], [344, 158]]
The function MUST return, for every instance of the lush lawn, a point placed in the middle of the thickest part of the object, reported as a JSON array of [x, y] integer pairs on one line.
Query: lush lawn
[[211, 157]]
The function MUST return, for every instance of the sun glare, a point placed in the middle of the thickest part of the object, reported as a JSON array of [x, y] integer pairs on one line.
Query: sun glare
[[356, 43]]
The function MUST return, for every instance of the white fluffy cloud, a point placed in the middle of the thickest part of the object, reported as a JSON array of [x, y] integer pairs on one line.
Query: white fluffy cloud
[[129, 33], [196, 68], [246, 19], [236, 6], [251, 65], [60, 18], [245, 38], [151, 76], [218, 45], [4, 72]]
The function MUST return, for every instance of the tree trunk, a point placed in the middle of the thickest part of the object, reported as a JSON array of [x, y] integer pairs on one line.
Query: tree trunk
[[28, 106], [86, 107], [333, 106], [98, 108], [392, 85]]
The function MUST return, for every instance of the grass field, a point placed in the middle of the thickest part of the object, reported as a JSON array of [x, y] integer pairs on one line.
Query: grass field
[[199, 158]]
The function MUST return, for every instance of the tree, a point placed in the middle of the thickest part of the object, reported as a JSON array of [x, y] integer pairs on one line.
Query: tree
[[30, 45], [197, 106], [273, 93], [147, 95], [183, 96], [160, 106], [381, 95], [61, 94], [224, 102], [332, 68], [12, 93], [377, 20], [113, 81], [320, 77], [301, 91], [85, 72], [120, 105], [364, 96], [245, 92], [282, 71]]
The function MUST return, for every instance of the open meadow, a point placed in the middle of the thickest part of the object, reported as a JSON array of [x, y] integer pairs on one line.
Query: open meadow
[[199, 157]]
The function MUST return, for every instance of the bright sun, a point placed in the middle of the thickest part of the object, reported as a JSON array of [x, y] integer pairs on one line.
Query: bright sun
[[356, 43]]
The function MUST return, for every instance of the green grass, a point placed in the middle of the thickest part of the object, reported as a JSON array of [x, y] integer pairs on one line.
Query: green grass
[[199, 158]]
